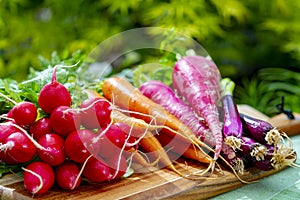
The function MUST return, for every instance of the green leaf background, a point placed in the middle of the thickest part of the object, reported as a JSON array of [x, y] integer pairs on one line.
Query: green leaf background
[[243, 37]]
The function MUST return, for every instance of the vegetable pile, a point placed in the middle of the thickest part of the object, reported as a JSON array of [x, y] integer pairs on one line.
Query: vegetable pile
[[49, 146], [120, 129]]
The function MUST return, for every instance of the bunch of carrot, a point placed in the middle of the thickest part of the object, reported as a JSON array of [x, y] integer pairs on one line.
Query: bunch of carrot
[[153, 126]]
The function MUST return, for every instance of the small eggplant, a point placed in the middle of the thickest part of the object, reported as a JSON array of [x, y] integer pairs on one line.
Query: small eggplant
[[232, 124], [265, 164], [252, 150], [234, 159], [260, 130], [276, 157]]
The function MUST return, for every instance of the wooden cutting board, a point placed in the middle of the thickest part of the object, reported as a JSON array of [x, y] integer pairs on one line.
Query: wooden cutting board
[[161, 184]]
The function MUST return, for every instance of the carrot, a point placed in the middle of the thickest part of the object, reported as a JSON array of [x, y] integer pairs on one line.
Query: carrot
[[138, 162], [180, 146], [121, 93], [131, 153], [150, 144]]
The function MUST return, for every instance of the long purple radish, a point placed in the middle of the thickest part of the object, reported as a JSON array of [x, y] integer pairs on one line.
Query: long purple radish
[[232, 124], [197, 79], [162, 94]]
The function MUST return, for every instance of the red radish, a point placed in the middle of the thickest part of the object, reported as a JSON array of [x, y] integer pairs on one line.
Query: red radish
[[38, 177], [9, 116], [90, 141], [66, 175], [24, 113], [112, 142], [53, 94], [64, 120], [40, 127], [95, 113], [19, 147], [6, 129], [116, 135], [74, 146], [197, 79], [118, 166], [4, 157], [129, 132], [54, 149], [96, 170]]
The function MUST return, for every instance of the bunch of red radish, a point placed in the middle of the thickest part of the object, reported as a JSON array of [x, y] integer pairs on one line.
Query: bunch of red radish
[[53, 148]]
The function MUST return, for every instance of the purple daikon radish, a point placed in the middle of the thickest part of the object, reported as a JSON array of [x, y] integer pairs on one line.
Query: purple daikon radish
[[197, 79], [232, 124], [162, 94]]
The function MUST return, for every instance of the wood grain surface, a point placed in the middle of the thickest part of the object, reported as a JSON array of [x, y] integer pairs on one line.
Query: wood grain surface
[[155, 185]]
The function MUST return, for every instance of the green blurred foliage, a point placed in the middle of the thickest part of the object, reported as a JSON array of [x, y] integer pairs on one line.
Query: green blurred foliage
[[241, 36]]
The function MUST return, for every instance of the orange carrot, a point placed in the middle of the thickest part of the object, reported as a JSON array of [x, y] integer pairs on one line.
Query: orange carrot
[[121, 93], [183, 145], [150, 144], [139, 163], [130, 153]]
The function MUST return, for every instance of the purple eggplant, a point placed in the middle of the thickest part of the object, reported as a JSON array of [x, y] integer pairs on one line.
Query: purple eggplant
[[260, 130], [233, 158], [252, 150], [232, 124], [265, 164]]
